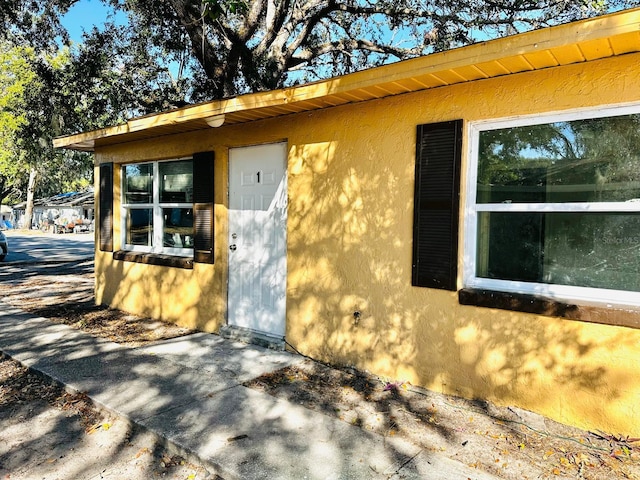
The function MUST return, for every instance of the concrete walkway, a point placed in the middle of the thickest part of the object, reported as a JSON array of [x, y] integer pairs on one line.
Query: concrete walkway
[[188, 392]]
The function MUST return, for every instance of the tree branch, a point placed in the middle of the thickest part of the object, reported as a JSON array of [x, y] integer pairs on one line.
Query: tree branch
[[347, 45], [191, 21]]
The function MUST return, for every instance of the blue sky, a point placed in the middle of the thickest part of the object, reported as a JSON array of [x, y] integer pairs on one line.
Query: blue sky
[[83, 15]]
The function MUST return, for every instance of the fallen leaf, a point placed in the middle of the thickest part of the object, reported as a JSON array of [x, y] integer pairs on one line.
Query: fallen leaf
[[142, 451]]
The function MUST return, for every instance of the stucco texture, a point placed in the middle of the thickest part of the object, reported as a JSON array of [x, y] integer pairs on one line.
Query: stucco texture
[[351, 179]]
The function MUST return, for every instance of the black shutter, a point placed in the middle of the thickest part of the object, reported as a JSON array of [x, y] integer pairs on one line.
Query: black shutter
[[105, 204], [436, 205], [203, 206]]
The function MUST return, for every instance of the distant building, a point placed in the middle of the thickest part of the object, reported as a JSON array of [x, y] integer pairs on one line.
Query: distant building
[[6, 216], [72, 211]]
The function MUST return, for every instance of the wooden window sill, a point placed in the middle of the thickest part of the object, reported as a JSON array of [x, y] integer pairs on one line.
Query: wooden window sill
[[618, 316], [154, 259]]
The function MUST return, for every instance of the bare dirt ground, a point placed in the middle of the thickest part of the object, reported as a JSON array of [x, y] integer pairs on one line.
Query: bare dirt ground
[[508, 442]]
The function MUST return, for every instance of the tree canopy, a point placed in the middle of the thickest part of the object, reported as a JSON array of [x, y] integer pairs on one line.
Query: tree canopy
[[252, 45], [51, 87], [32, 113], [193, 50], [15, 77], [176, 52]]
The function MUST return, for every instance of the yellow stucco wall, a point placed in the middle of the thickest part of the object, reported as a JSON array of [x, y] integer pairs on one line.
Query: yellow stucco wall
[[349, 233]]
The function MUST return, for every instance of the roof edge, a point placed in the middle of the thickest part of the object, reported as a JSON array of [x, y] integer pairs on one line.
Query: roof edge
[[593, 29]]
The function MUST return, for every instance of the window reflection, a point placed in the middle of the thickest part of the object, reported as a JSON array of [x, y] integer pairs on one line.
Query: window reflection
[[589, 160], [583, 249], [176, 181], [140, 226], [178, 228], [138, 183]]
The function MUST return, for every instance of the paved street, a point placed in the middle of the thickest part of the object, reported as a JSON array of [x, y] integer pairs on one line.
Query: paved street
[[34, 247]]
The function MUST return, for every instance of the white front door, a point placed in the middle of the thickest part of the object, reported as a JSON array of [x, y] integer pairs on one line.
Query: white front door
[[258, 238]]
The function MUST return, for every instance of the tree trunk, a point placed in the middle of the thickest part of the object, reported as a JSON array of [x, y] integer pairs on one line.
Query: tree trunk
[[31, 188], [5, 188]]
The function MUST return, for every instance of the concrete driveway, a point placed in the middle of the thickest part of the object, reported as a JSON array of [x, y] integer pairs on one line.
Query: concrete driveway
[[37, 247]]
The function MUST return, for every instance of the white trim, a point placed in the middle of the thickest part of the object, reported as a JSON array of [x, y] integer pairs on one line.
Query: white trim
[[595, 207], [566, 293], [583, 295], [470, 218], [612, 110], [156, 206]]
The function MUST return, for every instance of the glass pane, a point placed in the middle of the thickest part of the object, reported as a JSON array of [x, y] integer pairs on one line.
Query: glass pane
[[138, 183], [178, 227], [140, 226], [591, 160], [600, 250], [176, 179]]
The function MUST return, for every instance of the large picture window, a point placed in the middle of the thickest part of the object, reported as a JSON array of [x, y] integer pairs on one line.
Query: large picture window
[[555, 206], [157, 203]]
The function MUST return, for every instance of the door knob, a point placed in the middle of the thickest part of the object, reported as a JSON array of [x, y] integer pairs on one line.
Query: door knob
[[233, 247]]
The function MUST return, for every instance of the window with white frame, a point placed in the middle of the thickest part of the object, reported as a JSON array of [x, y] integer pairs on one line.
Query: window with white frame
[[157, 207], [553, 206]]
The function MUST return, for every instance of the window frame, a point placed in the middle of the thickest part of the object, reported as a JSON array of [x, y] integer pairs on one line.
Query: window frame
[[582, 295], [157, 242]]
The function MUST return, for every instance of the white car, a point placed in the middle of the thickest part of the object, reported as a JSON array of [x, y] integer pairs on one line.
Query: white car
[[4, 246]]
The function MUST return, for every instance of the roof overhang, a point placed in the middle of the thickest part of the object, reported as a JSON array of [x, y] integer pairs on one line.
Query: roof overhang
[[578, 42]]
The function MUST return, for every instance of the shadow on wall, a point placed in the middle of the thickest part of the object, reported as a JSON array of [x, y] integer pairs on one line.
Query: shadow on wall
[[181, 296], [350, 244]]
